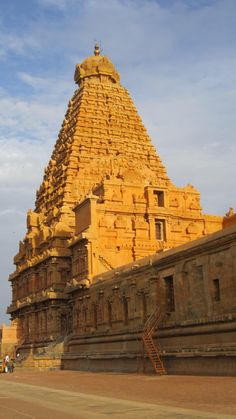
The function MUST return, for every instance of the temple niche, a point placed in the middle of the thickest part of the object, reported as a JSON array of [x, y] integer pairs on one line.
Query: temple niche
[[105, 201]]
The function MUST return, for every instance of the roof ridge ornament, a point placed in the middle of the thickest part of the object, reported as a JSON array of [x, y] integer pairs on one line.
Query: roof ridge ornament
[[97, 49]]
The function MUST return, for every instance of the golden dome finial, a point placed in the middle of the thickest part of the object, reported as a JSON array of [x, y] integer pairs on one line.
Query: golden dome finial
[[97, 49], [97, 67]]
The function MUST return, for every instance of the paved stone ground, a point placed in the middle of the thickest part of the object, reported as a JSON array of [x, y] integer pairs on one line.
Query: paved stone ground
[[86, 395]]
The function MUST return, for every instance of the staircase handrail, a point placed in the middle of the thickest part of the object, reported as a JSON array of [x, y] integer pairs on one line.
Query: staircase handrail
[[152, 321], [152, 349]]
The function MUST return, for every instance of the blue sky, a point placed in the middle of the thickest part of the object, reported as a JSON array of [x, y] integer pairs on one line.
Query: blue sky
[[176, 57]]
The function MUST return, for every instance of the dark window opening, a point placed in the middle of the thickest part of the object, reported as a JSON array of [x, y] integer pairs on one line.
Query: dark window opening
[[159, 198], [95, 317], [216, 285], [27, 327], [36, 321], [144, 304], [109, 311], [45, 322], [85, 316], [126, 311], [160, 229], [169, 291], [78, 317]]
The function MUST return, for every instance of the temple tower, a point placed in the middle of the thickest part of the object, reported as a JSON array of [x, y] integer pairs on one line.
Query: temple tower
[[105, 200]]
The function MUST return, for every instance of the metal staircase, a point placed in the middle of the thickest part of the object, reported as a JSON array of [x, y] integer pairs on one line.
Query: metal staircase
[[151, 349]]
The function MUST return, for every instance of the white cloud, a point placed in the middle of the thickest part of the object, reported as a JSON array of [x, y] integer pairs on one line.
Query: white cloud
[[38, 83], [37, 116], [55, 89], [29, 127], [12, 43], [20, 163], [191, 119], [58, 4]]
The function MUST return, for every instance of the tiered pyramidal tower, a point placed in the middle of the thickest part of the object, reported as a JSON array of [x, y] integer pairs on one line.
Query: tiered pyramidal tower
[[105, 200], [101, 136]]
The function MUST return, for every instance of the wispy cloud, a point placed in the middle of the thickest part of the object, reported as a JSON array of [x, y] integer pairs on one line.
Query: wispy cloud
[[58, 4], [37, 83], [37, 116], [12, 43]]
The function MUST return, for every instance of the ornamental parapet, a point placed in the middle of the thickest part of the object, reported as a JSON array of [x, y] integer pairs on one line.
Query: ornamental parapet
[[54, 253], [36, 298]]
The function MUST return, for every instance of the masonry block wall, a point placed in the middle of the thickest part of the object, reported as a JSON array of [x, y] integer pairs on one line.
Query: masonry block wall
[[195, 286]]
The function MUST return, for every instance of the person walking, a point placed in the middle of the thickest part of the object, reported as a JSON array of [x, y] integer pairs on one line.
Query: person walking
[[7, 360], [3, 365]]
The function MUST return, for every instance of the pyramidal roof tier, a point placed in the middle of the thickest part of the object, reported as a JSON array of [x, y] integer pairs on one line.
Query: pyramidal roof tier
[[101, 136]]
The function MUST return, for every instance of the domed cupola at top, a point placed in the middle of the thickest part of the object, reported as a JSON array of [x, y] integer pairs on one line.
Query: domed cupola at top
[[98, 68]]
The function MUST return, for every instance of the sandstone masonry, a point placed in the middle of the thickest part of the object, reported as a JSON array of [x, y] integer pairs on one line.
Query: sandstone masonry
[[106, 201]]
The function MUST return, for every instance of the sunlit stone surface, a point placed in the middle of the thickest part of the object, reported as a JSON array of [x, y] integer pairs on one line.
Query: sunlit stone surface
[[106, 201]]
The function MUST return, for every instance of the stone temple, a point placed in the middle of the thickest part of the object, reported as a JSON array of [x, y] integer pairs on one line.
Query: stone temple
[[110, 252]]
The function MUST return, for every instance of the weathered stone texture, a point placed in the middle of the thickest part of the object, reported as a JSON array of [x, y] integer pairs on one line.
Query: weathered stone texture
[[106, 201], [199, 310]]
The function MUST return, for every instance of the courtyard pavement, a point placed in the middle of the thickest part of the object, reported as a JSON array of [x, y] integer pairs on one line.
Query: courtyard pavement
[[86, 395]]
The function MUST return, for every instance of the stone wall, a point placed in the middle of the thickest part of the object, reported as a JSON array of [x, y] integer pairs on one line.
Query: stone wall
[[195, 286], [8, 339]]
